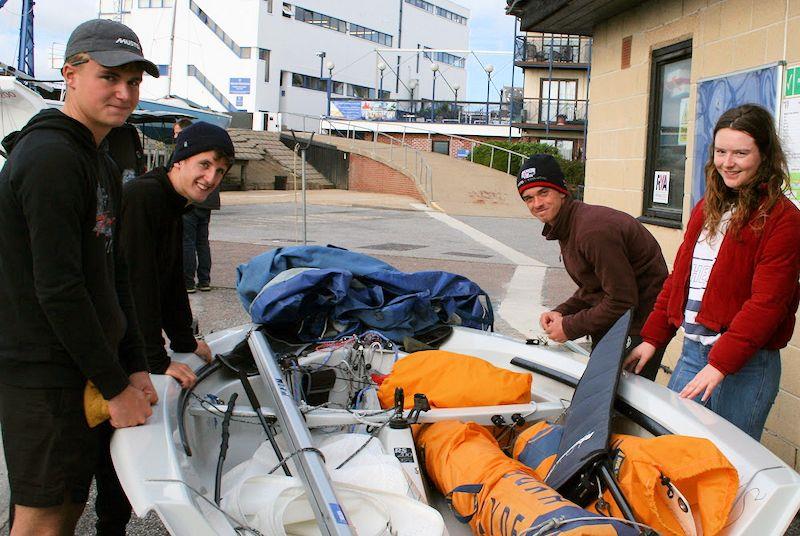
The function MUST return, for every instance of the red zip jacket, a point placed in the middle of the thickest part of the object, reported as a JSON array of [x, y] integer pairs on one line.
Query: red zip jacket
[[752, 291]]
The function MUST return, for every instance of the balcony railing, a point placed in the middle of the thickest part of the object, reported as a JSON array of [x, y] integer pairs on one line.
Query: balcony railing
[[427, 111], [554, 112], [565, 50]]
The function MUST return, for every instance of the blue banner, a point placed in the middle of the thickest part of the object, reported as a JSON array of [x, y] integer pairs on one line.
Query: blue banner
[[715, 97]]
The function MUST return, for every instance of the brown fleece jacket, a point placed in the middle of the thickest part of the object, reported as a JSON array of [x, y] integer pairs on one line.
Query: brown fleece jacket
[[614, 260]]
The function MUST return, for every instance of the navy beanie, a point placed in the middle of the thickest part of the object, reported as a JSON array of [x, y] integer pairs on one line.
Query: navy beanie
[[541, 170], [201, 137]]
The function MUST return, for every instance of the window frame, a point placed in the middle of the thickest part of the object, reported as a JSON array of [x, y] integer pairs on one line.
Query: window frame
[[654, 214]]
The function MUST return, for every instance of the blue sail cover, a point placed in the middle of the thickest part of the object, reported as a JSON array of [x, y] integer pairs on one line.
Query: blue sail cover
[[342, 292]]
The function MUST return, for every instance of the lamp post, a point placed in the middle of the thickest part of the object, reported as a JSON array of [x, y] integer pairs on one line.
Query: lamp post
[[330, 65], [412, 85], [321, 55], [381, 68], [489, 69], [434, 68], [455, 87]]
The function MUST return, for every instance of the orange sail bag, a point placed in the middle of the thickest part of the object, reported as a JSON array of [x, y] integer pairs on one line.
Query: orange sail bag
[[644, 467], [451, 380], [495, 494]]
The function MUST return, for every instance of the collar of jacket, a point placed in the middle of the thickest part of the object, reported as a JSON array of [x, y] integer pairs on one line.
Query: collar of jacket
[[560, 228], [175, 200]]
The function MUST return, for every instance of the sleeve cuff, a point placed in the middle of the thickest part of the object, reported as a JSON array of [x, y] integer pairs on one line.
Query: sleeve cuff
[[111, 383], [183, 344]]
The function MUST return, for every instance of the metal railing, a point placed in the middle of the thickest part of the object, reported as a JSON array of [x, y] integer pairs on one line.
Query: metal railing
[[438, 111], [561, 49], [347, 126], [555, 112], [413, 160]]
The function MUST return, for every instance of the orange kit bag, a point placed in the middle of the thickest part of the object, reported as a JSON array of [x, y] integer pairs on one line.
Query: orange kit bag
[[495, 494], [451, 380], [649, 471]]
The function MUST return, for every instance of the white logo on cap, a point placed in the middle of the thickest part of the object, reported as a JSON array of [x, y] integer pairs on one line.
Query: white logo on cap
[[129, 42], [528, 173]]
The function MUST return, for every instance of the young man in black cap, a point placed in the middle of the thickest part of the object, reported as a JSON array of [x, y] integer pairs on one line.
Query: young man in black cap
[[66, 312], [614, 260], [152, 242]]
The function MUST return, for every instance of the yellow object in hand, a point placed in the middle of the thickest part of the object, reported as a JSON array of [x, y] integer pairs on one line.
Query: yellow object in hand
[[94, 405]]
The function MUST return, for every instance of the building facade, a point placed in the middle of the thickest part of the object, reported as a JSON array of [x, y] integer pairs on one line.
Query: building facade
[[556, 85], [662, 73], [267, 56]]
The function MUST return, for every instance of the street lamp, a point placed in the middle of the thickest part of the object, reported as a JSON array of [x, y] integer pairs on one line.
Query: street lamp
[[455, 87], [412, 85], [321, 56], [381, 68], [489, 69], [434, 68], [330, 65]]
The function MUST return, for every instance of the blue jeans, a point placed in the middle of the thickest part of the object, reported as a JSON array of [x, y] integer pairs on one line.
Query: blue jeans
[[744, 398], [196, 250]]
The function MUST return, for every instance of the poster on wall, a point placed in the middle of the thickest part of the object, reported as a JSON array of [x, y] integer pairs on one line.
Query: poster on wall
[[715, 96], [790, 134], [378, 110], [346, 109], [683, 125], [661, 187]]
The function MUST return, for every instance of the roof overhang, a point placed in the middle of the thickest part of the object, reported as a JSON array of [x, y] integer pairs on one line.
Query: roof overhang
[[576, 17]]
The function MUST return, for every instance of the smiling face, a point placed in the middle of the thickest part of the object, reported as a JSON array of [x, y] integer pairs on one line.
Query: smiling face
[[101, 97], [543, 202], [197, 176], [736, 157]]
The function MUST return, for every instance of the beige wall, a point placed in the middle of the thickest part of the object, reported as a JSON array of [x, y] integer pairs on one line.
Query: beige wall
[[727, 36]]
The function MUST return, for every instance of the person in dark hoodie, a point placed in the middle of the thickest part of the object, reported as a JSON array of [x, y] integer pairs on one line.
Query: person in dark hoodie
[[152, 242], [614, 260], [66, 310]]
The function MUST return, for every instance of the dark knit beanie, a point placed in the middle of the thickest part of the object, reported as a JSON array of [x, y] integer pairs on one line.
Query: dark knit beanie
[[201, 137], [541, 170]]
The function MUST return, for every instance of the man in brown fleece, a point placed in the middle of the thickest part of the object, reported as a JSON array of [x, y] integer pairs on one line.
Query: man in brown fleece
[[614, 260]]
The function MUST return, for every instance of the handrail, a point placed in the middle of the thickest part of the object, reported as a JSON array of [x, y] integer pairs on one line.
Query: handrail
[[451, 137], [421, 172]]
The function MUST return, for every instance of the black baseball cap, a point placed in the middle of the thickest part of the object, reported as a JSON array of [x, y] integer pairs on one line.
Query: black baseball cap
[[109, 43]]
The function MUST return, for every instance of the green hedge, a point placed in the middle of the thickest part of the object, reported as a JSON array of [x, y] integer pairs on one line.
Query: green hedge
[[573, 169]]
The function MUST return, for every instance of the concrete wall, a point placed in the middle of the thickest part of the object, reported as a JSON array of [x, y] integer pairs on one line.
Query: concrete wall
[[727, 36], [367, 175]]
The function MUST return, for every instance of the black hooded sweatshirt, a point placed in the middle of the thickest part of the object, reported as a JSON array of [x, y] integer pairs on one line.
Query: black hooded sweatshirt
[[151, 238], [66, 311]]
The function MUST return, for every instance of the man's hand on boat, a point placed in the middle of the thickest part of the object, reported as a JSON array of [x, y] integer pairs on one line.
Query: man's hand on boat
[[182, 373], [129, 408], [203, 351], [141, 380], [551, 323]]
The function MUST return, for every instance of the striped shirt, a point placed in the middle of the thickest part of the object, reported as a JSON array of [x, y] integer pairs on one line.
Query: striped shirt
[[705, 254]]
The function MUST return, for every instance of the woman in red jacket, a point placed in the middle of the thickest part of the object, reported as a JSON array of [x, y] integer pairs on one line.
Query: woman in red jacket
[[734, 286]]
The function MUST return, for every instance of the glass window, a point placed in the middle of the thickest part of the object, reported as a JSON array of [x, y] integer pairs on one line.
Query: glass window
[[666, 144], [558, 101], [297, 80], [163, 70], [565, 147], [268, 2], [441, 147], [263, 55]]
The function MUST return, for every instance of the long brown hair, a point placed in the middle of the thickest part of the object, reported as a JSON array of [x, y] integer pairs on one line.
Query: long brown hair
[[759, 196]]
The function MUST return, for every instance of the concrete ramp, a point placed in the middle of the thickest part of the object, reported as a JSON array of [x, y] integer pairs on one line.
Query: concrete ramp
[[458, 187]]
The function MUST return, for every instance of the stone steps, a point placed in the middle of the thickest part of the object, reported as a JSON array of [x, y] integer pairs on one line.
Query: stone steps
[[255, 145]]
